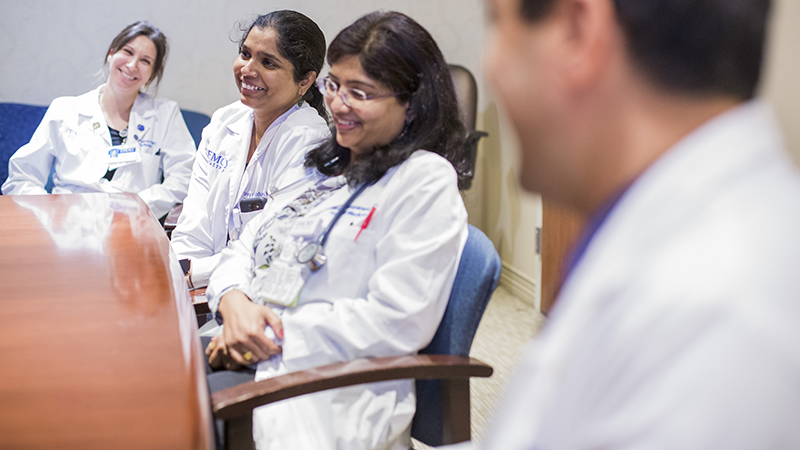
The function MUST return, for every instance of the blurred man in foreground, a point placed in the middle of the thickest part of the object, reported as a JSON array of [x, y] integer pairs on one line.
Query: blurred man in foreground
[[678, 326]]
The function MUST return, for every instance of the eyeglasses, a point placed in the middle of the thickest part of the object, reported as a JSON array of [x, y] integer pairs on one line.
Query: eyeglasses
[[354, 98]]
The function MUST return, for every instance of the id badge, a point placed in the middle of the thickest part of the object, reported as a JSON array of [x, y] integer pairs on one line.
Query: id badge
[[280, 283], [122, 155]]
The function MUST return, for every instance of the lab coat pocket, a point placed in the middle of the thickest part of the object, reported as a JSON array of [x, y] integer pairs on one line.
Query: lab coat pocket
[[351, 261], [150, 169]]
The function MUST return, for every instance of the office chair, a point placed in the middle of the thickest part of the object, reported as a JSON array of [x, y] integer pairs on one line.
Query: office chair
[[443, 406], [17, 123], [467, 96]]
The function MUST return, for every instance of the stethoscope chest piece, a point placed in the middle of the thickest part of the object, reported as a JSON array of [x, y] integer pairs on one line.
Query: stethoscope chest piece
[[312, 253]]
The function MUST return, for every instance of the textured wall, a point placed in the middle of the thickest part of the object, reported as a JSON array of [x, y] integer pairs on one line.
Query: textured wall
[[782, 78], [51, 48]]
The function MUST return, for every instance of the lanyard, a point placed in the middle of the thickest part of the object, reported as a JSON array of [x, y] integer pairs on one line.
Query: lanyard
[[257, 203], [312, 252]]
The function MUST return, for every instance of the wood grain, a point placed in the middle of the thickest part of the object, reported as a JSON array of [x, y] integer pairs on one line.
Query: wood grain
[[561, 229], [97, 341]]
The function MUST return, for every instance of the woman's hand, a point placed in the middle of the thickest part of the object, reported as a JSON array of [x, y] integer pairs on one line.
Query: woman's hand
[[245, 322], [218, 356]]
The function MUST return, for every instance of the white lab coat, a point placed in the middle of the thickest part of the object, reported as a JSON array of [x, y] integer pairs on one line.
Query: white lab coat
[[220, 180], [74, 137], [680, 327], [382, 294]]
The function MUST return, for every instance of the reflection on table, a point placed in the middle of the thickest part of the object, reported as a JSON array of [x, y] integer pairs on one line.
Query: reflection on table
[[97, 331]]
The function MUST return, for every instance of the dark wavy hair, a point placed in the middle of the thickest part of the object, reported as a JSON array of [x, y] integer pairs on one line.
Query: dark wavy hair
[[302, 43], [698, 46], [143, 28], [399, 53]]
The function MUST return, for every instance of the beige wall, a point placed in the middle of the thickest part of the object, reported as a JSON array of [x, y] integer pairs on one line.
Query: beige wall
[[782, 78], [508, 215], [52, 47]]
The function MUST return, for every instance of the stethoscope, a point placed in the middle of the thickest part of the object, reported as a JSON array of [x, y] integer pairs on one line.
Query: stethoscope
[[312, 253]]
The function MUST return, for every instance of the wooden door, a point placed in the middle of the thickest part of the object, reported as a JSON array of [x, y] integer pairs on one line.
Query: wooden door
[[561, 228]]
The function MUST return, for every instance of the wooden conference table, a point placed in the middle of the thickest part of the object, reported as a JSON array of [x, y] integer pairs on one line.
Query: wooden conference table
[[98, 344]]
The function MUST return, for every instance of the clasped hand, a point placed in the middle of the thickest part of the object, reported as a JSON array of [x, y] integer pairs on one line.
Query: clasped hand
[[243, 341]]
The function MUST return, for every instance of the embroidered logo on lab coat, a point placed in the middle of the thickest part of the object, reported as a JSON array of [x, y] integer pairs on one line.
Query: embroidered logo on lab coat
[[218, 162]]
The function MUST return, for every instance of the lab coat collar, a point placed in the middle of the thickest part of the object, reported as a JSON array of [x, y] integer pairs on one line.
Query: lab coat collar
[[725, 148], [143, 112], [88, 104], [88, 107], [244, 125]]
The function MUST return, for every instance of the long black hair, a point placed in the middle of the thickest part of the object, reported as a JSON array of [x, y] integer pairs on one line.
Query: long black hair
[[398, 52], [302, 43]]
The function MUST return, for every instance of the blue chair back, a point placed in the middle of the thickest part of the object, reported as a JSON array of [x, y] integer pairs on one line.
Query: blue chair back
[[195, 121], [18, 122], [476, 279]]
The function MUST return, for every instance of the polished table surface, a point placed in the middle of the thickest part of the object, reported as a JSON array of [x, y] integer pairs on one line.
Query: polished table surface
[[98, 341]]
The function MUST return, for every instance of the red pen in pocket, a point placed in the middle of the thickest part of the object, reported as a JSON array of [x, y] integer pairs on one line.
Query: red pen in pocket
[[365, 223]]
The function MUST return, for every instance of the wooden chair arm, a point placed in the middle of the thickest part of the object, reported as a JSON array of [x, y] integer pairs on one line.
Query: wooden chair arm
[[199, 301], [240, 400], [172, 217]]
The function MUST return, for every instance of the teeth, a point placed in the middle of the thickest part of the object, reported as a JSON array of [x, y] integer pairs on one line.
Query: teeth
[[345, 122], [250, 87], [126, 75]]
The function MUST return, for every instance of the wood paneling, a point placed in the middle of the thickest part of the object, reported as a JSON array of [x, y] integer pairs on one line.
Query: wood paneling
[[561, 228], [97, 340]]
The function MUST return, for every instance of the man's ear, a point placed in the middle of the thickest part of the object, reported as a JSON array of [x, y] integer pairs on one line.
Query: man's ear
[[307, 82], [590, 34]]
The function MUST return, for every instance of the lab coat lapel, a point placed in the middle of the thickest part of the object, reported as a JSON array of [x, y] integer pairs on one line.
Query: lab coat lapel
[[143, 118], [241, 129], [91, 116]]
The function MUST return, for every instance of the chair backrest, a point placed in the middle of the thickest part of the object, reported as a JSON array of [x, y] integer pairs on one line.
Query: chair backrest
[[476, 279], [467, 95], [195, 121], [18, 121], [17, 124]]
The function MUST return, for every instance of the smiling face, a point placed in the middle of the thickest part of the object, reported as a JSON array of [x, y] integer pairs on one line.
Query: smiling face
[[265, 78], [378, 122], [131, 67]]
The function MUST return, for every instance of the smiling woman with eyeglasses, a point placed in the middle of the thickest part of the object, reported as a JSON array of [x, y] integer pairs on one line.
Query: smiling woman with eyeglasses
[[360, 261]]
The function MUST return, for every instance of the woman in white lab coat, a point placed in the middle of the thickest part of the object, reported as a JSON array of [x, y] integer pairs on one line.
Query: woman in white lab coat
[[256, 146], [377, 282], [114, 138]]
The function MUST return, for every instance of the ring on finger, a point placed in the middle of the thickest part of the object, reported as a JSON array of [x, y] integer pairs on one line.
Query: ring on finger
[[248, 356]]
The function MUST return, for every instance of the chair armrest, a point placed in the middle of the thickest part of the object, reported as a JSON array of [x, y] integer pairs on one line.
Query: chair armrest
[[199, 301], [240, 400], [172, 217]]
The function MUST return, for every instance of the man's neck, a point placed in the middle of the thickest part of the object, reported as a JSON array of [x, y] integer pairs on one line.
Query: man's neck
[[649, 123]]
